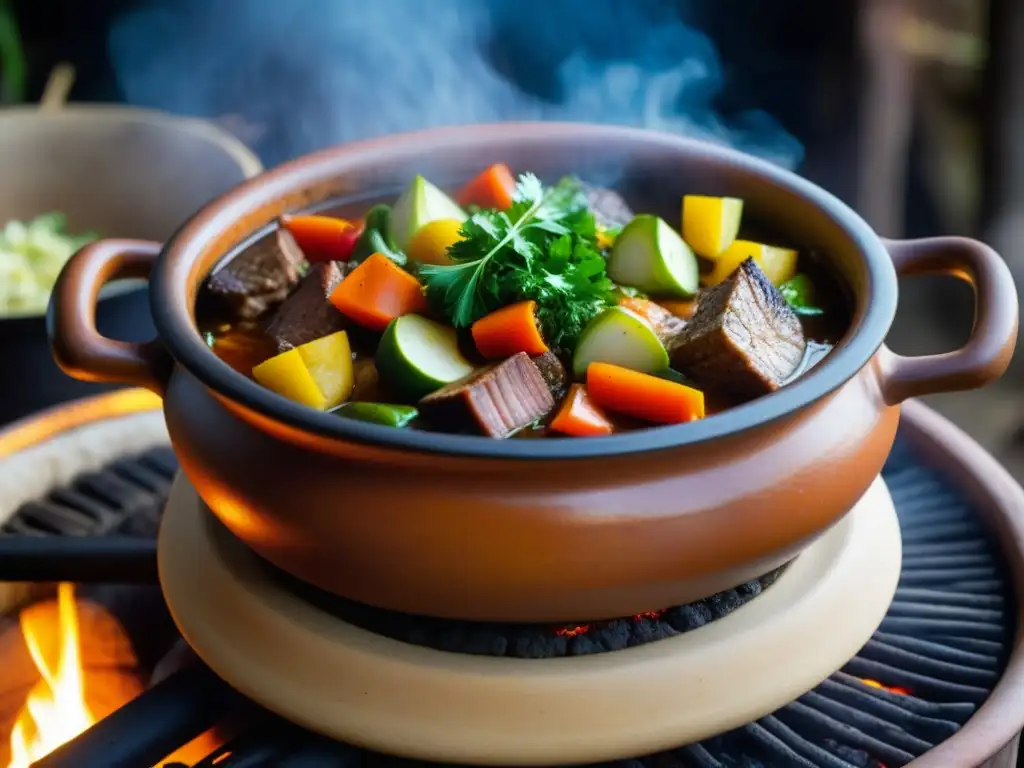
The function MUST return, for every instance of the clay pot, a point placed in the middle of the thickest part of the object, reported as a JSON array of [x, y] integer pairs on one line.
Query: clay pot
[[112, 170], [534, 530]]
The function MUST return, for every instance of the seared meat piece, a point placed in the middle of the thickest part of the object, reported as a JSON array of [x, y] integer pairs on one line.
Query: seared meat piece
[[608, 206], [554, 374], [307, 314], [743, 338], [259, 277], [494, 401]]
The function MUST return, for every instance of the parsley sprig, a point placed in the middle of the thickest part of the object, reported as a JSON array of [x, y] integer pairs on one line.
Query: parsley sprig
[[543, 248], [798, 292]]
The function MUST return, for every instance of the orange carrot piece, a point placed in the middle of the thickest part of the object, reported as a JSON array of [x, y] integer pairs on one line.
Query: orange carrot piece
[[579, 417], [683, 309], [493, 188], [509, 330], [323, 238], [653, 313], [378, 291], [643, 396]]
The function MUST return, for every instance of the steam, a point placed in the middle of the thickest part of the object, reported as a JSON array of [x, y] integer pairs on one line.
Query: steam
[[291, 76]]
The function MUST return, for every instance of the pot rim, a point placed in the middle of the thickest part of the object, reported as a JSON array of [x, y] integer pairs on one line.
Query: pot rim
[[175, 283]]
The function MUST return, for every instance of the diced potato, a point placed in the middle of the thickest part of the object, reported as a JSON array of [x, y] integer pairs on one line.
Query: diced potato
[[288, 375], [710, 224], [318, 374], [430, 244], [329, 362], [778, 264]]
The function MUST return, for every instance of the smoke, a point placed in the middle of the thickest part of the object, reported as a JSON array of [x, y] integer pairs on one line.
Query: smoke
[[292, 76]]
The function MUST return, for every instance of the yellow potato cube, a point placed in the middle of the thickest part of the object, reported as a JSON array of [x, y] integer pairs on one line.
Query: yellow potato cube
[[288, 375], [778, 264], [430, 243], [329, 363], [710, 224]]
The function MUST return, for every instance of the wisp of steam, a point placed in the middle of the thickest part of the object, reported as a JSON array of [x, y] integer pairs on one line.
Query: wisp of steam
[[305, 74]]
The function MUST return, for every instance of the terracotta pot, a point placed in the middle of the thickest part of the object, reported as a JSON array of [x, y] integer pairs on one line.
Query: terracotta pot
[[534, 530], [113, 170]]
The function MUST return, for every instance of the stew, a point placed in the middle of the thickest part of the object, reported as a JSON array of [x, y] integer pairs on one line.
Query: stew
[[521, 310]]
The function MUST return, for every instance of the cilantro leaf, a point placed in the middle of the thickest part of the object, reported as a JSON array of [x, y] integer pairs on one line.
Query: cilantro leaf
[[798, 292], [543, 248]]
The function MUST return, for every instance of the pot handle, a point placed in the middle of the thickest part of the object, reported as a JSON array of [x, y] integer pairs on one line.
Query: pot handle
[[987, 353], [78, 347]]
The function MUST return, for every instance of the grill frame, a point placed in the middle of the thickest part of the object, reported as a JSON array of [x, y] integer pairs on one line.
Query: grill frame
[[942, 445]]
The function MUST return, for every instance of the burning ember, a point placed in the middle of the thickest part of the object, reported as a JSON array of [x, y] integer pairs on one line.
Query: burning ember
[[889, 688], [580, 629], [55, 710]]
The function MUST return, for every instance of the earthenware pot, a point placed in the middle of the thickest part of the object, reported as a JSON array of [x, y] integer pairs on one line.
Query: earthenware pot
[[534, 530], [112, 170]]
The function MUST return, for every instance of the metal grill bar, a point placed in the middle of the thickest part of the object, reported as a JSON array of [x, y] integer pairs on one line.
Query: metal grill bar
[[151, 726], [80, 559]]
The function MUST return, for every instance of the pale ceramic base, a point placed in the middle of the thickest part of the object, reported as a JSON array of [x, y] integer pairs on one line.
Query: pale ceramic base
[[392, 697]]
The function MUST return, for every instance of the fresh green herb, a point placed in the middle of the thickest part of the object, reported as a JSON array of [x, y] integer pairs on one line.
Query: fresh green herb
[[376, 237], [798, 292], [543, 248], [210, 339]]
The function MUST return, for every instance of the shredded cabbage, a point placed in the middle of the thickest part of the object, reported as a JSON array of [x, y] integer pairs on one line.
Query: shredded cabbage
[[32, 255]]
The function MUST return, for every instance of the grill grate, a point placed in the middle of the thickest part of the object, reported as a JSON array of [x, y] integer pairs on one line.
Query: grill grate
[[936, 656], [124, 498]]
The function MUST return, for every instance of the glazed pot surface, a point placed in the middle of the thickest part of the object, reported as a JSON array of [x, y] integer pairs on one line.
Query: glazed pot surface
[[536, 530]]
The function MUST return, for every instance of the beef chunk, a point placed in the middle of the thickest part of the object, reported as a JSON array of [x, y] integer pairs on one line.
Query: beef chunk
[[743, 338], [554, 374], [608, 206], [260, 277], [307, 314], [495, 401]]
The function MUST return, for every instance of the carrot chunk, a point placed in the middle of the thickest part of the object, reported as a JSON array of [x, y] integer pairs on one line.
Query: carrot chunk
[[579, 417], [643, 396], [493, 188], [378, 291], [509, 330]]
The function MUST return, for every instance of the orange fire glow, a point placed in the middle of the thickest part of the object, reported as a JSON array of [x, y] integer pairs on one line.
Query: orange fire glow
[[889, 688], [579, 629], [572, 631], [55, 710]]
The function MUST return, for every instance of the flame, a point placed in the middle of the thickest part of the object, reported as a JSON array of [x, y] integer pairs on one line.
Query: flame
[[55, 710], [889, 688]]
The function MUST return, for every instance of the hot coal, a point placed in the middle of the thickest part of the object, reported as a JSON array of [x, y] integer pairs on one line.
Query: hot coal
[[534, 641]]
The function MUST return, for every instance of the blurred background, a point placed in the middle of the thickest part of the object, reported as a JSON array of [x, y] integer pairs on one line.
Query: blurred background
[[907, 109]]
